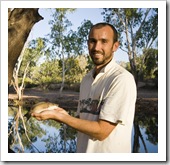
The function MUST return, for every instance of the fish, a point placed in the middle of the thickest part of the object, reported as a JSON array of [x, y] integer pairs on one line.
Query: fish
[[40, 107]]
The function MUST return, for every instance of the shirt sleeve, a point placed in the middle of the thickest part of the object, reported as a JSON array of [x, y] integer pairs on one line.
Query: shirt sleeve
[[120, 100]]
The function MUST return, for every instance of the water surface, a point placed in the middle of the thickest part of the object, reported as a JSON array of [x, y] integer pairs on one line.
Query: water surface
[[52, 137]]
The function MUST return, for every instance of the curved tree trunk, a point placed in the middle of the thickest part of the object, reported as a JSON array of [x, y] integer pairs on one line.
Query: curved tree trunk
[[20, 23]]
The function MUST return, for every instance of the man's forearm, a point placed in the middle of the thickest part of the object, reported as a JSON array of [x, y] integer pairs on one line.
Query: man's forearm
[[95, 129]]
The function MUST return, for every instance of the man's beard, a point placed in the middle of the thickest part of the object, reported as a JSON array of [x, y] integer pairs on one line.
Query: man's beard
[[100, 61], [95, 59]]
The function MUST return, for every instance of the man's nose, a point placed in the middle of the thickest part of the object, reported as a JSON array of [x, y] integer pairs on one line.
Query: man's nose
[[97, 46]]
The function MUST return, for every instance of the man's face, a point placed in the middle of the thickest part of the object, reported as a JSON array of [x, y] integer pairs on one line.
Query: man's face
[[100, 45]]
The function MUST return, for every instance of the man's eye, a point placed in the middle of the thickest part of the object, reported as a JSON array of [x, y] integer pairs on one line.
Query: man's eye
[[92, 41], [104, 41]]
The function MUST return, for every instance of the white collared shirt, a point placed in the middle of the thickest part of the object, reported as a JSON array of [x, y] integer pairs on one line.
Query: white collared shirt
[[111, 96]]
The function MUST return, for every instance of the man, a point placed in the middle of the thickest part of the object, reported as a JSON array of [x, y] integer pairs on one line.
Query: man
[[107, 99]]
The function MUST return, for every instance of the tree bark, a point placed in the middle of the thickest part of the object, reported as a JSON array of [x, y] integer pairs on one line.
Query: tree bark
[[20, 23]]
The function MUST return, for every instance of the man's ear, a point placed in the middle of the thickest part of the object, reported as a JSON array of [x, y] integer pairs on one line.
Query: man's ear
[[115, 46]]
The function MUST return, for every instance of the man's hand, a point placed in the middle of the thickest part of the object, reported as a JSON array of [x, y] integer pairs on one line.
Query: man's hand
[[55, 114]]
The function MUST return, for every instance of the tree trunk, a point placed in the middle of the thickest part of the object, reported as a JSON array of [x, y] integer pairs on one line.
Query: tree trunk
[[20, 23], [63, 75]]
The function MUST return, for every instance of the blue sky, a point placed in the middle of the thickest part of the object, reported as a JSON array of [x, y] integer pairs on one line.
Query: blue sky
[[42, 28]]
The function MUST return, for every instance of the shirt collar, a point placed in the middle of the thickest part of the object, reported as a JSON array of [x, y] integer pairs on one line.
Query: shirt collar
[[110, 65]]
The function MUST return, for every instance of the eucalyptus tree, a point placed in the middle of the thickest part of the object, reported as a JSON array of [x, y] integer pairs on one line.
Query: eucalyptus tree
[[138, 30], [59, 25]]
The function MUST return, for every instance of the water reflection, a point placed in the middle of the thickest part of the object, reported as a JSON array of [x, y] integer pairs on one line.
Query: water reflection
[[40, 136], [145, 133], [49, 136]]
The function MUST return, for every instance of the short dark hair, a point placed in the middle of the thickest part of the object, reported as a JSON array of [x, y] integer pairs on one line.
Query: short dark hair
[[102, 24]]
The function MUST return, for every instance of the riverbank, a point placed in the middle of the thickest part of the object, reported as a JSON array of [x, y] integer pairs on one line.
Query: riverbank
[[147, 99]]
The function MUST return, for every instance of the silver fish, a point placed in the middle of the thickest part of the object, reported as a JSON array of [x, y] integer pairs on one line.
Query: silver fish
[[39, 107]]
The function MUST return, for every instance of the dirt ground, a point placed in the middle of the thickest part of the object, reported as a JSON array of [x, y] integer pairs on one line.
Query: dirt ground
[[69, 99]]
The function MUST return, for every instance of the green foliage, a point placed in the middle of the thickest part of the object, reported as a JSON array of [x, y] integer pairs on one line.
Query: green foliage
[[83, 32], [151, 62], [147, 65], [74, 73], [47, 73], [50, 72], [28, 82]]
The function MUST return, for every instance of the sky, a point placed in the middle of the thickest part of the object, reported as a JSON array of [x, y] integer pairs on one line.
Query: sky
[[42, 28]]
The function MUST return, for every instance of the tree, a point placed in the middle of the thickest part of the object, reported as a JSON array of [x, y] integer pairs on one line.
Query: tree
[[20, 23], [60, 23], [138, 29]]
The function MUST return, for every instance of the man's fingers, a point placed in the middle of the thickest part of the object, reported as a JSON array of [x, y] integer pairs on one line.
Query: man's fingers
[[36, 115]]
